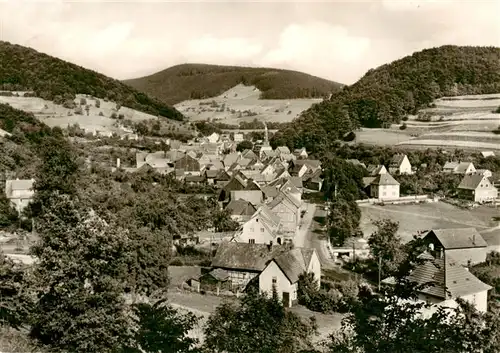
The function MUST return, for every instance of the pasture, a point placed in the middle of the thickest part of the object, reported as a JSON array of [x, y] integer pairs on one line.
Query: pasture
[[242, 103], [425, 216], [463, 122]]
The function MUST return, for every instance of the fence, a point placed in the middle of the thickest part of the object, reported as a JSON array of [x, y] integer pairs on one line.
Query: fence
[[399, 200]]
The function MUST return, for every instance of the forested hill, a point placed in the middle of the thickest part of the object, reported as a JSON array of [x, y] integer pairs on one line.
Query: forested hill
[[195, 81], [392, 91], [25, 69]]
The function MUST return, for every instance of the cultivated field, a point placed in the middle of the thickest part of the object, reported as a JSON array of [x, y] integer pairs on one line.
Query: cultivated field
[[426, 216], [463, 122], [242, 103], [57, 115]]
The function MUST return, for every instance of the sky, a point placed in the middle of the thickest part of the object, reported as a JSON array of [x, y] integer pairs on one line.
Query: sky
[[337, 40]]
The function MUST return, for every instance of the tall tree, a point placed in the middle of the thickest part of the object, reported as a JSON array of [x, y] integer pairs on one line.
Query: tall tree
[[343, 220], [162, 329], [79, 280], [257, 325], [14, 301], [386, 246]]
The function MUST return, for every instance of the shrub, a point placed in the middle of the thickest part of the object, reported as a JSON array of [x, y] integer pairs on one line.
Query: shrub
[[176, 262], [403, 127], [97, 103], [83, 101], [350, 136], [405, 118], [101, 114], [78, 111], [497, 111]]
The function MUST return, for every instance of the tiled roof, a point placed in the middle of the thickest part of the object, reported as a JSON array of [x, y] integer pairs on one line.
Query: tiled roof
[[219, 274], [471, 181], [292, 264], [385, 179], [462, 167], [283, 149], [458, 238], [240, 208], [367, 181], [245, 256], [271, 217], [211, 173], [22, 184], [270, 191], [492, 237], [397, 160], [446, 278], [283, 196]]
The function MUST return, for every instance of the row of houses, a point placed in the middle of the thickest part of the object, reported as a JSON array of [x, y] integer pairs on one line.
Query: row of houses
[[477, 185]]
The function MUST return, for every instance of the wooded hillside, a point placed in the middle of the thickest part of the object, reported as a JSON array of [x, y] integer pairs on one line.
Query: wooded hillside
[[25, 69], [392, 91], [196, 81]]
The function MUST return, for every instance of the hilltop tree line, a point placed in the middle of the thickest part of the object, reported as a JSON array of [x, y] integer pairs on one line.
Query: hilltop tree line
[[200, 81], [24, 69], [389, 93]]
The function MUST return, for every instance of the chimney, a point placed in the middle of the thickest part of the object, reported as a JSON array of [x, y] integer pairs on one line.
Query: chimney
[[118, 163], [474, 239]]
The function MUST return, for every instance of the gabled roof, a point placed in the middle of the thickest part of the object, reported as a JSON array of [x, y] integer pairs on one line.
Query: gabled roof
[[492, 237], [472, 181], [241, 208], [248, 154], [283, 149], [384, 179], [222, 175], [231, 158], [235, 184], [283, 196], [488, 154], [367, 181], [462, 167], [245, 256], [270, 191], [446, 278], [21, 184], [252, 185], [211, 173], [292, 264], [219, 274], [458, 238], [396, 160], [271, 217], [375, 170], [450, 165]]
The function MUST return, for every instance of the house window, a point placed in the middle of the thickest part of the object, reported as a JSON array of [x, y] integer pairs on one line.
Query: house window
[[262, 230], [251, 241], [275, 280]]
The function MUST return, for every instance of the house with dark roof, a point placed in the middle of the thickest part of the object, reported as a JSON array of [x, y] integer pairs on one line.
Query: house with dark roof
[[263, 227], [19, 192], [270, 267], [241, 188], [400, 164], [375, 170], [384, 187], [301, 166], [313, 180], [301, 153], [465, 245], [444, 280], [241, 210], [477, 188], [189, 164]]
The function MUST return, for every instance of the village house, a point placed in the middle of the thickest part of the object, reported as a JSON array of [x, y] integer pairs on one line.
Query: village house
[[313, 180], [301, 153], [400, 164], [240, 188], [487, 154], [189, 165], [19, 192], [444, 281], [287, 208], [240, 210], [459, 168], [155, 160], [213, 138], [487, 173], [384, 187], [238, 137], [288, 185], [477, 188], [263, 227], [268, 267], [465, 245]]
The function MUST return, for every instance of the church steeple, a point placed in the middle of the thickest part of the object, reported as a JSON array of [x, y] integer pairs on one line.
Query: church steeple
[[266, 135]]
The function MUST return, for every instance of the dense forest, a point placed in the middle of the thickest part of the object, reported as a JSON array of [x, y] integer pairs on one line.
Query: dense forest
[[389, 93], [197, 81], [25, 69]]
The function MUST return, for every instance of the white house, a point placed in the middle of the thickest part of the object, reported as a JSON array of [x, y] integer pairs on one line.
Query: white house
[[19, 192], [487, 173], [478, 188], [238, 137], [269, 266], [459, 168], [287, 208], [384, 187], [282, 273], [262, 228], [213, 138], [400, 164]]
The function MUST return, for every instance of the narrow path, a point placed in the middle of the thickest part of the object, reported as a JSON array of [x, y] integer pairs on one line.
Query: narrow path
[[305, 225]]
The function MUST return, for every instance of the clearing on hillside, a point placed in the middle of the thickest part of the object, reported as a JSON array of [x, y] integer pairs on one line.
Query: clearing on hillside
[[243, 103], [465, 122], [98, 119]]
